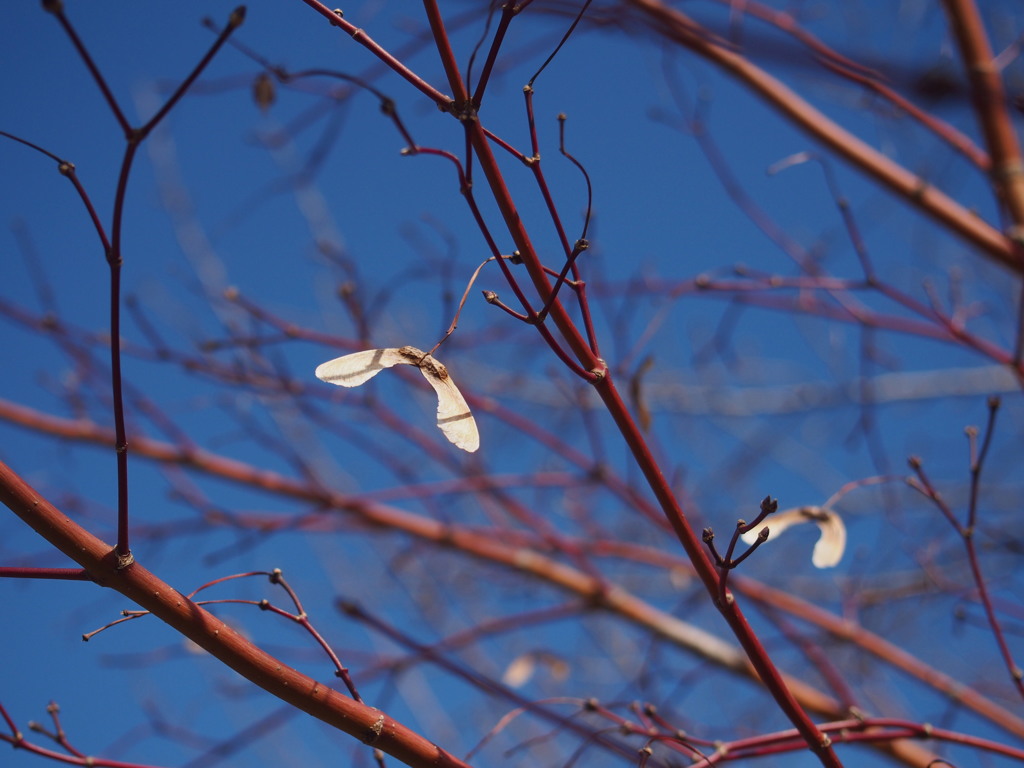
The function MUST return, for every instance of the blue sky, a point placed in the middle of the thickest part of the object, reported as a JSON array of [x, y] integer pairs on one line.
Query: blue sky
[[214, 203]]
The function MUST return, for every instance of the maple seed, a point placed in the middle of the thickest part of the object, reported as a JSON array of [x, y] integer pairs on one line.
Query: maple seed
[[454, 418], [831, 544]]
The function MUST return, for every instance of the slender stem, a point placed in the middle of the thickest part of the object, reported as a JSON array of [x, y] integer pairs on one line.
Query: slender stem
[[234, 22], [448, 61], [508, 12], [373, 47], [977, 465], [58, 10], [818, 742]]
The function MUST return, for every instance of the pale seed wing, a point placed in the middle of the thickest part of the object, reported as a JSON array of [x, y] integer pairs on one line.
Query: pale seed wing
[[352, 370], [519, 672], [776, 524], [831, 544], [522, 668], [453, 415]]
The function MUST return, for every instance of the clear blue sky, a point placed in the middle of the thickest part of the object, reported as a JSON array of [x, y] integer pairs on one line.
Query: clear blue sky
[[214, 204]]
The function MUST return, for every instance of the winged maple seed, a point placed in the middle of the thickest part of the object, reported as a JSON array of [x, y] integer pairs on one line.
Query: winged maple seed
[[453, 415], [832, 542]]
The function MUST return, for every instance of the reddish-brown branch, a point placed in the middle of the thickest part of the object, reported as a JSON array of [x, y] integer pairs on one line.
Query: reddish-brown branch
[[512, 553], [866, 78], [484, 546], [219, 639], [758, 656], [985, 78], [371, 45], [674, 25]]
